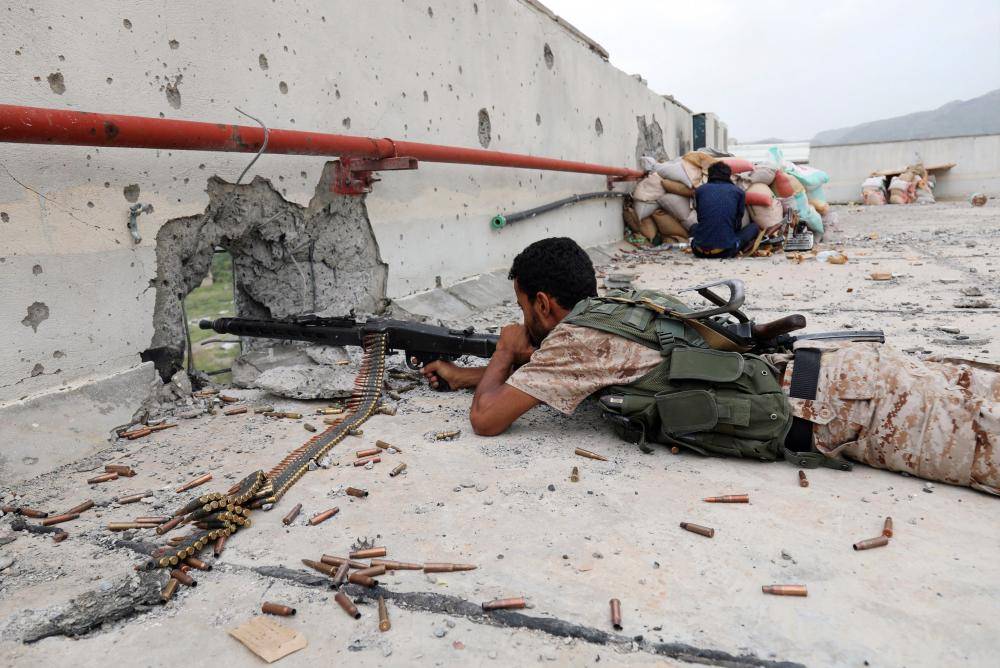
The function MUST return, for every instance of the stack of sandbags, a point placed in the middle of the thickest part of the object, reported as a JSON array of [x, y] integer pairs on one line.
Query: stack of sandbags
[[925, 190], [873, 190], [804, 186], [903, 188], [662, 203]]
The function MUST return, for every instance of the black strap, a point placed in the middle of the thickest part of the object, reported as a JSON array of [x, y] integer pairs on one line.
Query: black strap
[[799, 441], [805, 373]]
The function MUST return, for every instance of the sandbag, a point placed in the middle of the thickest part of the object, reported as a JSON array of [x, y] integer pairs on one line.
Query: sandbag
[[782, 184], [644, 209], [677, 188], [648, 189], [738, 165], [700, 158], [898, 197], [873, 196], [810, 177], [766, 217], [899, 183], [758, 198], [673, 170], [807, 214], [821, 207], [816, 194], [677, 206], [645, 227], [695, 174], [763, 174], [873, 182], [670, 229], [691, 220], [924, 196], [796, 185]]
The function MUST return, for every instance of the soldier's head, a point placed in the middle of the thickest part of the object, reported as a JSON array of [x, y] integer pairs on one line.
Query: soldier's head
[[719, 171], [550, 276]]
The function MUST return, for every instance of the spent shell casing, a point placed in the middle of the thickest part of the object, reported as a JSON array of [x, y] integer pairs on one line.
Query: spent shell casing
[[236, 410], [399, 468], [363, 580], [263, 409], [372, 571], [138, 433], [226, 399], [574, 475], [590, 455], [195, 562], [133, 498], [370, 452], [39, 514], [332, 421], [340, 577], [323, 516], [362, 462], [729, 498], [355, 491], [183, 578], [269, 608], [878, 541], [785, 590], [616, 614], [292, 514], [168, 590], [337, 561], [220, 545], [120, 469], [448, 568], [168, 526], [126, 526], [397, 565], [292, 416], [383, 616], [10, 508], [368, 553], [329, 411], [200, 480], [153, 519], [346, 603], [887, 528], [505, 604], [59, 536], [325, 569], [161, 427], [308, 427], [803, 480], [355, 432], [451, 433], [698, 529], [79, 508], [104, 477], [385, 446], [59, 519]]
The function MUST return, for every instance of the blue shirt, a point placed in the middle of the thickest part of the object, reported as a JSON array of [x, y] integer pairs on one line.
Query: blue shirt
[[720, 207]]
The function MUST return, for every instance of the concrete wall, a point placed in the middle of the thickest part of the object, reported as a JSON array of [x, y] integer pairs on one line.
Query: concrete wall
[[977, 168], [77, 298]]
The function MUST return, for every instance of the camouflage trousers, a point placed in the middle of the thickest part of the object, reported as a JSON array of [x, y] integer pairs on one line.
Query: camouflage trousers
[[937, 418]]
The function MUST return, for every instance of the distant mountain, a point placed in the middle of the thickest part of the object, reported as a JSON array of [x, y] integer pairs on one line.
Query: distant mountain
[[769, 140], [980, 115]]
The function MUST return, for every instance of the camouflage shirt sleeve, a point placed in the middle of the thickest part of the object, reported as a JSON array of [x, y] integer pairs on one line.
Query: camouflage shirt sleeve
[[574, 362]]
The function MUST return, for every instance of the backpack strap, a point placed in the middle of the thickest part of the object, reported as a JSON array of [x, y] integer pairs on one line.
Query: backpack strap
[[798, 448]]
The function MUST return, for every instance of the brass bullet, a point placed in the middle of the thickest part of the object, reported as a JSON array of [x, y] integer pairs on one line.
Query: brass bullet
[[138, 433], [168, 590], [354, 491], [226, 399], [10, 508], [878, 541], [397, 565], [277, 609], [220, 545], [200, 480], [195, 562], [237, 410], [183, 578], [86, 505], [263, 409], [132, 498], [345, 603], [308, 427], [337, 561], [887, 528], [120, 469], [675, 450], [292, 416], [442, 435], [368, 553], [292, 514], [164, 528], [363, 580], [355, 432], [152, 519], [616, 614], [447, 568], [161, 427], [59, 536], [104, 477], [362, 462], [505, 604], [399, 468], [803, 480], [385, 446], [785, 590], [329, 411], [325, 569], [341, 575], [332, 421], [698, 529], [323, 516], [59, 519], [730, 498], [39, 514], [201, 394], [590, 455], [371, 571], [383, 616], [574, 475], [371, 452]]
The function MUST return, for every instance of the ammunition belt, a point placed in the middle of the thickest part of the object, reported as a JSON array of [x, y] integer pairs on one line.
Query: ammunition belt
[[220, 515]]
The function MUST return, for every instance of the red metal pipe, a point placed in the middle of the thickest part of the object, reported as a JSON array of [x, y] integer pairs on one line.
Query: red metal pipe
[[38, 125]]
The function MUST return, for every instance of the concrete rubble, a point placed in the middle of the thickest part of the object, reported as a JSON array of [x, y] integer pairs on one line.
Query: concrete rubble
[[507, 505]]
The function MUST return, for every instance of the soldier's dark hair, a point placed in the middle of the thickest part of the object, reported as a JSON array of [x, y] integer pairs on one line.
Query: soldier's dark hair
[[719, 171], [557, 266]]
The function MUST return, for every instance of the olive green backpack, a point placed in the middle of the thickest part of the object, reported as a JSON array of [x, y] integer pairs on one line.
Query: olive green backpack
[[715, 402]]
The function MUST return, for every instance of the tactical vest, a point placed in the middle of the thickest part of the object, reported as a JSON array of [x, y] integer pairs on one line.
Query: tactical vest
[[714, 402]]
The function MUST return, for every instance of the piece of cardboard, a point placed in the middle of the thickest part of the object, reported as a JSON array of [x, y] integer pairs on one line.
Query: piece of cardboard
[[268, 639]]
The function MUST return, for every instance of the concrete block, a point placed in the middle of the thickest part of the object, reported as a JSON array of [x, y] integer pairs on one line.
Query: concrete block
[[46, 431], [434, 305], [598, 256], [483, 291]]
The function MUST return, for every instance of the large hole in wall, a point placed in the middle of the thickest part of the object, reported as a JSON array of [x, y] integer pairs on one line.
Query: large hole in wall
[[211, 353], [286, 259]]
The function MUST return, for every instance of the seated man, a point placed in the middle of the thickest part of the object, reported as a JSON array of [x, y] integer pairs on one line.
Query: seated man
[[720, 206], [864, 401]]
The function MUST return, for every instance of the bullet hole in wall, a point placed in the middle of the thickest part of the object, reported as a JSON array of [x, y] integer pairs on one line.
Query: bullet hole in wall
[[127, 24], [426, 97], [131, 192], [599, 127], [4, 217], [174, 44], [173, 93], [58, 354], [550, 58], [283, 87], [36, 270], [37, 370], [262, 61], [347, 122], [430, 12], [57, 83], [485, 129], [37, 312], [538, 119]]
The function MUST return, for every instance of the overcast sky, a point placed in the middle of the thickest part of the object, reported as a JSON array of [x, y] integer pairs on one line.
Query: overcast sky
[[789, 69]]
